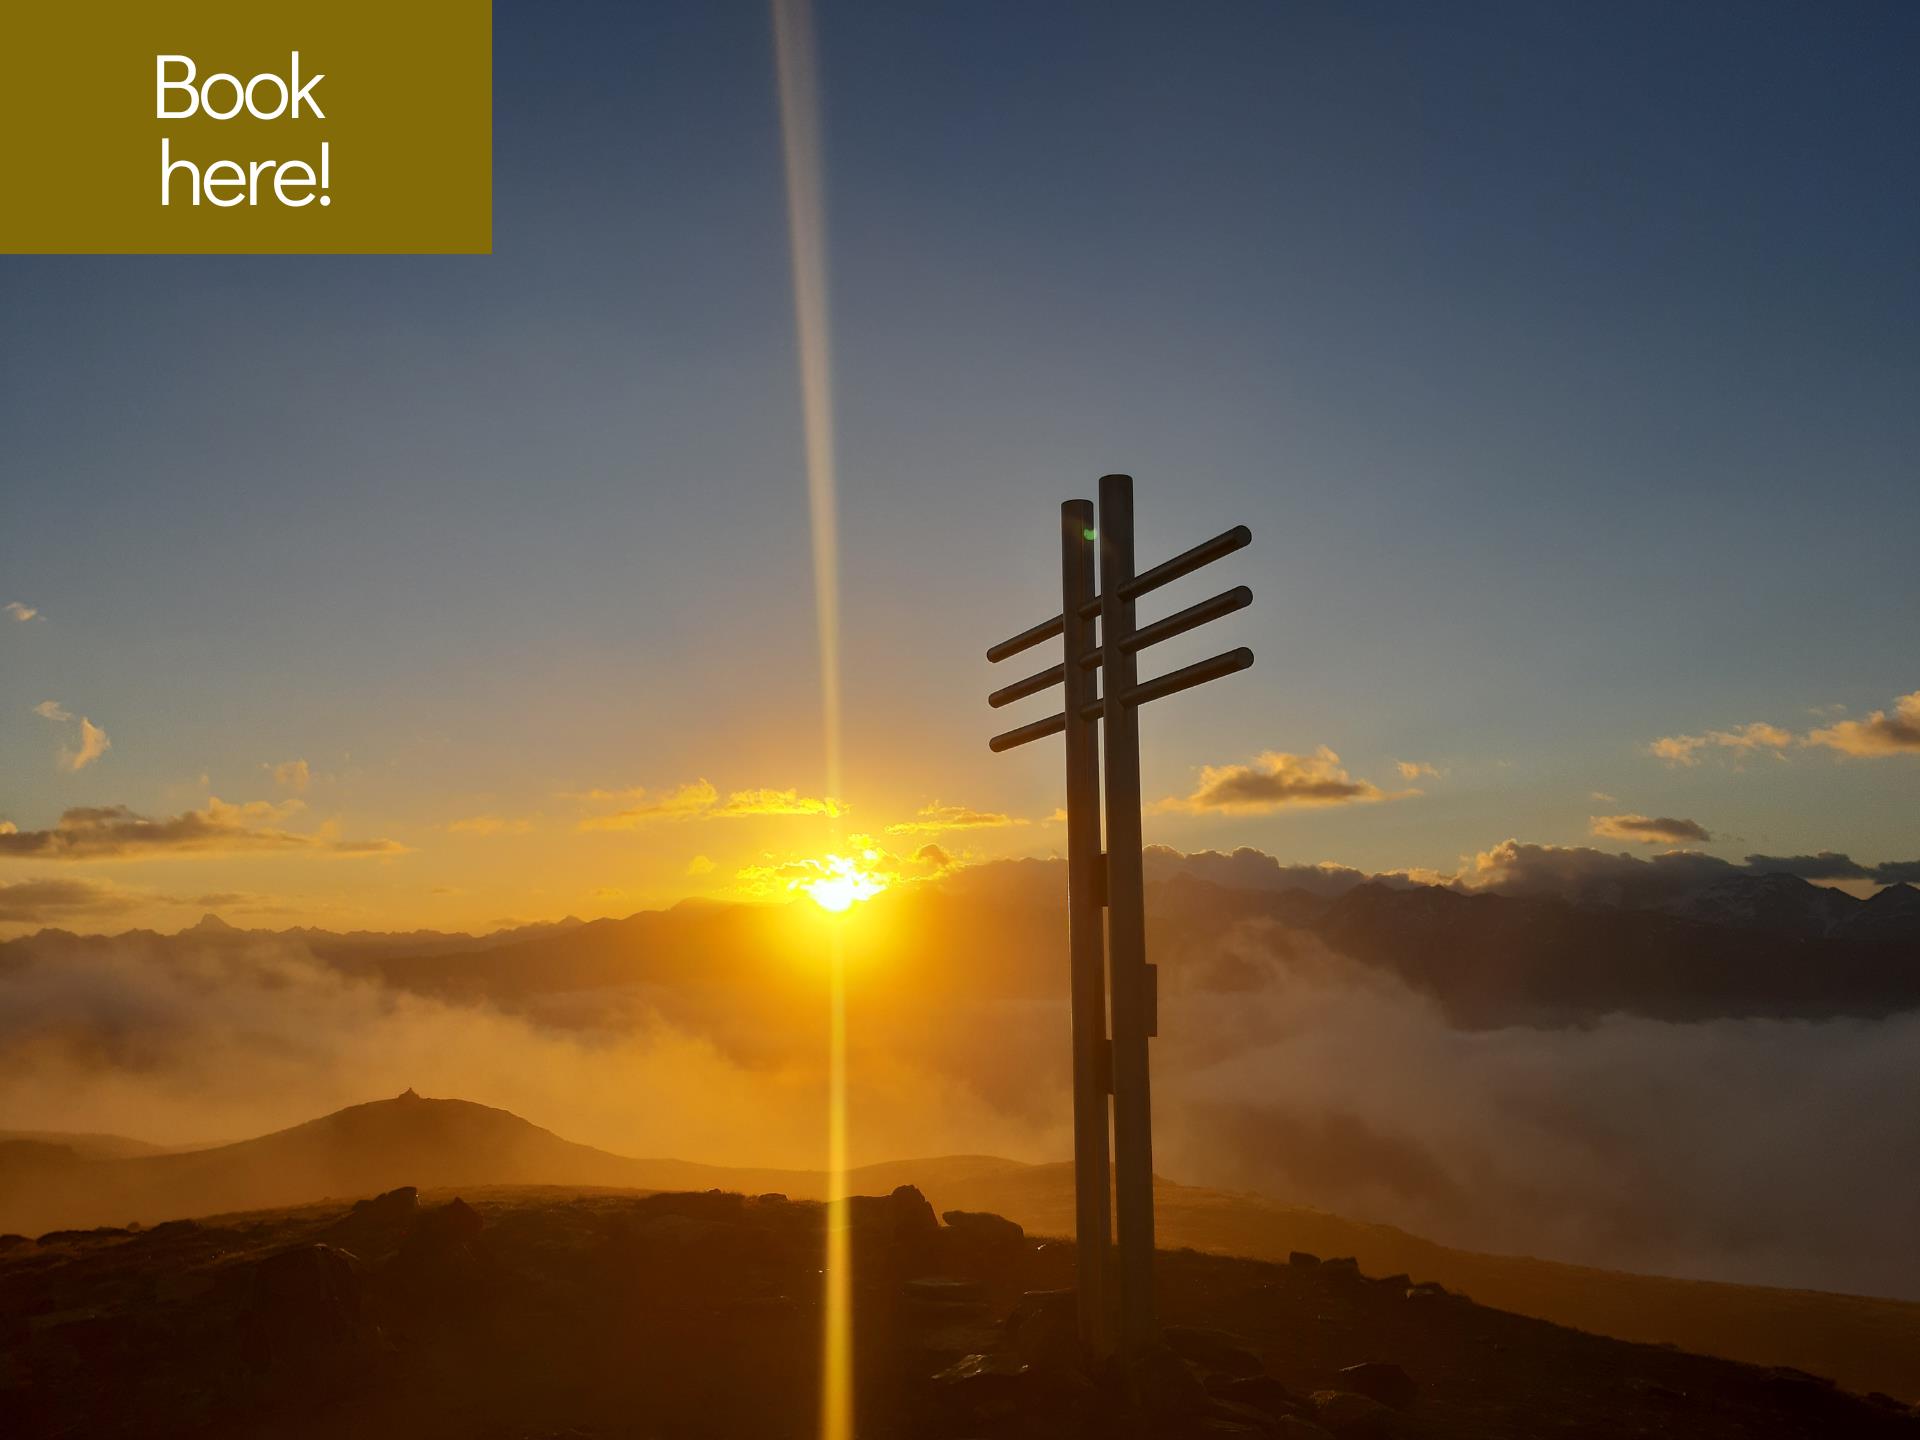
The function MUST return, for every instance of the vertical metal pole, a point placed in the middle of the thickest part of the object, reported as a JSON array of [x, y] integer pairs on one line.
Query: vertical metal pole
[[1085, 942], [1133, 1000]]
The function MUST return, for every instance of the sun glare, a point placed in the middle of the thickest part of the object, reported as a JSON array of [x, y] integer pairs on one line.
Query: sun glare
[[842, 883]]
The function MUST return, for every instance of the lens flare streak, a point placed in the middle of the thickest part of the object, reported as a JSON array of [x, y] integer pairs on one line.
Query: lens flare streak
[[806, 229]]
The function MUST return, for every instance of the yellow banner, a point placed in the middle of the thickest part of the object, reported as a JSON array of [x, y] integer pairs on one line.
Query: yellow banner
[[246, 127]]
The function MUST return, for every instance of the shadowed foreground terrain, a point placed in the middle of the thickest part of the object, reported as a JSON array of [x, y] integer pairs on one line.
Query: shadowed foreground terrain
[[549, 1313], [1865, 1343]]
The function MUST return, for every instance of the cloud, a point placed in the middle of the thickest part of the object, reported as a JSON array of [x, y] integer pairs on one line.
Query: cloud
[[700, 865], [1275, 780], [1414, 769], [93, 740], [1835, 865], [1587, 876], [930, 819], [93, 744], [777, 802], [114, 832], [1648, 830], [1744, 739], [700, 801], [56, 902], [647, 806], [1249, 869], [778, 879], [42, 902], [22, 613], [489, 825], [293, 775], [1878, 734], [1626, 1143], [1827, 865]]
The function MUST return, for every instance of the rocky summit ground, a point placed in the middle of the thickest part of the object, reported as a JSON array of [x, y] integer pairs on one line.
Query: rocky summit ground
[[589, 1315]]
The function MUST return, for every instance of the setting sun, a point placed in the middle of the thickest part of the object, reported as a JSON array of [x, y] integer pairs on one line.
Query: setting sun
[[841, 883]]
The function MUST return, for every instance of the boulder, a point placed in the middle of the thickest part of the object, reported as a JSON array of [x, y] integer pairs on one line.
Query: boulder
[[395, 1206], [1161, 1386], [984, 1230], [1212, 1349], [1379, 1380], [306, 1309], [1263, 1392], [903, 1219], [986, 1386], [1353, 1416], [1044, 1330], [1302, 1258]]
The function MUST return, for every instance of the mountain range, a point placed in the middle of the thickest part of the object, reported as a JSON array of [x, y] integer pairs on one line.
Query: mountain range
[[1740, 945]]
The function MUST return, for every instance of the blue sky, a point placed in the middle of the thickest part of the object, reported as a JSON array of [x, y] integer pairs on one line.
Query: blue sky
[[1562, 363]]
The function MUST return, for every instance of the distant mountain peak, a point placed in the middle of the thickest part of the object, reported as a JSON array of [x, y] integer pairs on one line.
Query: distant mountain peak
[[211, 924], [408, 1094]]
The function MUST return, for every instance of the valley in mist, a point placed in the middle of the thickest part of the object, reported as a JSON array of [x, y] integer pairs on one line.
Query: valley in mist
[[1452, 1064]]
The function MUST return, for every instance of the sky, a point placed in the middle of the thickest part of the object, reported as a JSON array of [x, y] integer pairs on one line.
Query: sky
[[1562, 365]]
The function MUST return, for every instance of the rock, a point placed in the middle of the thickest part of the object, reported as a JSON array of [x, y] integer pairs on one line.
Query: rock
[[1161, 1385], [1352, 1415], [1427, 1290], [1044, 1330], [1301, 1258], [944, 1290], [455, 1221], [1343, 1267], [1263, 1392], [903, 1219], [1251, 1416], [443, 1267], [1379, 1380], [399, 1204], [987, 1386], [99, 1232], [1394, 1282], [1214, 1349], [306, 1309], [989, 1232]]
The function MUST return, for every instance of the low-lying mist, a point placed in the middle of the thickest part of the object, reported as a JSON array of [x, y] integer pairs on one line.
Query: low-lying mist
[[1763, 1151]]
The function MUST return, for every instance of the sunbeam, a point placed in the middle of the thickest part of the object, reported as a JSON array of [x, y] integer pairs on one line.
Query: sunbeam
[[806, 229]]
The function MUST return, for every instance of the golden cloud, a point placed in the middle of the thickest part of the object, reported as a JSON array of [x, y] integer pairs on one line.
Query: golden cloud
[[1276, 780], [779, 879], [1648, 830], [114, 832], [1743, 739], [1878, 734], [930, 819], [699, 800], [293, 775]]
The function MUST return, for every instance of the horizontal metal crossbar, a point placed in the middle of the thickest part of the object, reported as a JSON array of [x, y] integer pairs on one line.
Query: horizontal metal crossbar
[[1038, 730], [1172, 683], [1191, 618], [1032, 685], [1165, 573], [1178, 623]]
